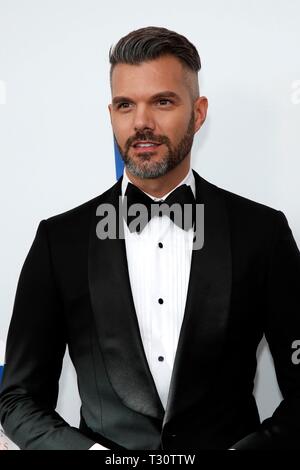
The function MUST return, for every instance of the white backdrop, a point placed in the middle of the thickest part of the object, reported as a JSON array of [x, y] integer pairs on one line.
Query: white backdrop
[[56, 142]]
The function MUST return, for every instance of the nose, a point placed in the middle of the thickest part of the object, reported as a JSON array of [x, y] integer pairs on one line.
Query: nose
[[143, 119]]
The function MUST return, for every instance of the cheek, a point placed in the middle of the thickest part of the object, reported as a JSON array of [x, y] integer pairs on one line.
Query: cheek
[[174, 129], [121, 130]]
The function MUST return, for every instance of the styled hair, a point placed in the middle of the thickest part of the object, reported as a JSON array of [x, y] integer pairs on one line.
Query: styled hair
[[149, 43]]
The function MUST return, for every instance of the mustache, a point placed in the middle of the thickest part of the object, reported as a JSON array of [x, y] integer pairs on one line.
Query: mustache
[[159, 139]]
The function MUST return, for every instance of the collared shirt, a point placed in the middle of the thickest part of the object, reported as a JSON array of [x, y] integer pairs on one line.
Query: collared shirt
[[159, 262]]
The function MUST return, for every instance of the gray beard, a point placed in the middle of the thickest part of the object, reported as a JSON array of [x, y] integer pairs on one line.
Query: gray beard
[[168, 162]]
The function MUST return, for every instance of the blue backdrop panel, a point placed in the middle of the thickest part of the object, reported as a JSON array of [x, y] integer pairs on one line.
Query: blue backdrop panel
[[118, 161]]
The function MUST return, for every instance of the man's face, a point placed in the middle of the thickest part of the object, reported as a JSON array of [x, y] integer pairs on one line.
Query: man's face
[[152, 115]]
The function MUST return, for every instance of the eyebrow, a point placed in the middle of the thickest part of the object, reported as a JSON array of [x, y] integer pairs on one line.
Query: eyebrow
[[163, 94]]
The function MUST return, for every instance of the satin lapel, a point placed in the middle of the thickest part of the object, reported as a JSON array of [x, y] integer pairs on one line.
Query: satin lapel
[[116, 321], [203, 328]]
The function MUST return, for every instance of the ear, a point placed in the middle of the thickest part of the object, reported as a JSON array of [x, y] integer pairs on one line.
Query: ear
[[200, 111], [110, 110]]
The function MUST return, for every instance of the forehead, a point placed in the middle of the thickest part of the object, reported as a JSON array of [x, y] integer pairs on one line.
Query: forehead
[[147, 78]]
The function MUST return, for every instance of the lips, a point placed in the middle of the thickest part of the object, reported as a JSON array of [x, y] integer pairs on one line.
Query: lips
[[146, 144]]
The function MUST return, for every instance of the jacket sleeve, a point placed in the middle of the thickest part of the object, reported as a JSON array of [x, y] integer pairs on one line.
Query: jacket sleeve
[[282, 332], [35, 349]]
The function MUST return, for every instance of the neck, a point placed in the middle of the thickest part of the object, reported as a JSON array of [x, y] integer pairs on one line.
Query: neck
[[157, 187]]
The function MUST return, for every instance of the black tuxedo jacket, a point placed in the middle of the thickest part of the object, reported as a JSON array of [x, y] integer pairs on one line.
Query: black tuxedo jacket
[[74, 290]]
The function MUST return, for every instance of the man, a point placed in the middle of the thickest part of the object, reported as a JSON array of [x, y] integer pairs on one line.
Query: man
[[163, 337]]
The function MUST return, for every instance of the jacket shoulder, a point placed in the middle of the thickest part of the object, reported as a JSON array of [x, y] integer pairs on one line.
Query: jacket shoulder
[[246, 217], [82, 211], [239, 205], [236, 202], [254, 226]]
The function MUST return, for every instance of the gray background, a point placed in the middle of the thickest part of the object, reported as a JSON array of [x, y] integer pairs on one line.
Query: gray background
[[56, 144]]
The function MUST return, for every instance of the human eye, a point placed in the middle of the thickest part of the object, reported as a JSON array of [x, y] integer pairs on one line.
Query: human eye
[[123, 105], [165, 101]]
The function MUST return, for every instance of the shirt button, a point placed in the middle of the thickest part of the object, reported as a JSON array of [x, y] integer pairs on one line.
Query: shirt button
[[160, 301], [160, 358], [160, 245]]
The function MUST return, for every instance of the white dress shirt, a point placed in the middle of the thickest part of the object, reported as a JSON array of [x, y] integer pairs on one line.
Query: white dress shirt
[[159, 262]]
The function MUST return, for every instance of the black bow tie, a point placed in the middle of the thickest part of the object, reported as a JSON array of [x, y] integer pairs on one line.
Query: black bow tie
[[182, 215]]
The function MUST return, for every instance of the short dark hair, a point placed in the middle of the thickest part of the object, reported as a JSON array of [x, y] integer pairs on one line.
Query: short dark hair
[[149, 43]]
